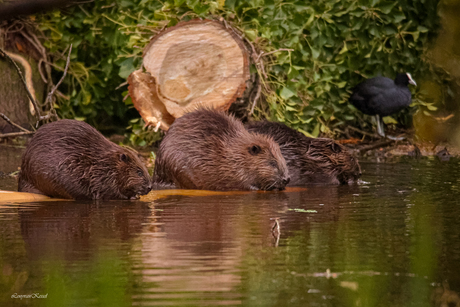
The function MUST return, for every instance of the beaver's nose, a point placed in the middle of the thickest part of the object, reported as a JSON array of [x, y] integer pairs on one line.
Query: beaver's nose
[[148, 188], [285, 181]]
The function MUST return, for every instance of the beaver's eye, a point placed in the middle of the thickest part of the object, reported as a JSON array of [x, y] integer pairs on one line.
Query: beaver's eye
[[140, 173], [123, 157], [254, 150], [273, 164], [336, 148]]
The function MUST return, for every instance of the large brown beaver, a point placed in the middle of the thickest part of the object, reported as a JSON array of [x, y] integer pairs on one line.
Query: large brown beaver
[[71, 159], [310, 161], [210, 150]]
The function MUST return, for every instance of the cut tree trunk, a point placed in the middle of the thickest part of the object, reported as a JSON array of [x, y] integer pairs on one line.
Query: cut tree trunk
[[199, 63]]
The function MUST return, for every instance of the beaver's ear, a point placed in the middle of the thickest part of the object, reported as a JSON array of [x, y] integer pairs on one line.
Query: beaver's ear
[[123, 157], [336, 148], [254, 150]]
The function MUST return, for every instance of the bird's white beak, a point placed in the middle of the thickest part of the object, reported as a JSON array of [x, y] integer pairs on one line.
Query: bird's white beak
[[411, 81]]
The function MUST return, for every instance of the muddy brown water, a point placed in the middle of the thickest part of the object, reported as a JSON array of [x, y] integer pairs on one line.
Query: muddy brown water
[[393, 240]]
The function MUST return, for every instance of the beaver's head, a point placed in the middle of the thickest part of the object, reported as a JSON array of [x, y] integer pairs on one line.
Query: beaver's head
[[132, 176], [339, 160], [263, 164]]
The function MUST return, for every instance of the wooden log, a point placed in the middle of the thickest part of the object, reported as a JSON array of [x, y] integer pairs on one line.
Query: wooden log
[[195, 63], [16, 197], [142, 89]]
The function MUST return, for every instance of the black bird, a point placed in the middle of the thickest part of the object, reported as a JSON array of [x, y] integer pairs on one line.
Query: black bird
[[381, 96]]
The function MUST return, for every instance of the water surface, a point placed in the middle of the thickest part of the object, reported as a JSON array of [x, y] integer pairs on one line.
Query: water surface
[[391, 241]]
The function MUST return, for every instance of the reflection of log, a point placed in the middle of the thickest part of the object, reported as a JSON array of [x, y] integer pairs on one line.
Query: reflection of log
[[195, 63]]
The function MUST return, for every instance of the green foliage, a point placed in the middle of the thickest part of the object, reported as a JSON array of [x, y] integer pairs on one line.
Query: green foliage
[[336, 43]]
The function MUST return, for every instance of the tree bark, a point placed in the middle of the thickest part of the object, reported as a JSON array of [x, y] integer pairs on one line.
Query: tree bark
[[14, 101]]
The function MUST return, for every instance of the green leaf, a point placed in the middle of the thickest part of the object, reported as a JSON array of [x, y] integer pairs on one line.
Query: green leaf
[[314, 52], [398, 17], [344, 48], [341, 84], [126, 68], [286, 93], [389, 120], [251, 34], [386, 8], [422, 29], [315, 131]]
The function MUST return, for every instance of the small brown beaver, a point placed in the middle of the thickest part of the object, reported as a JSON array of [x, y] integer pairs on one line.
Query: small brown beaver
[[310, 161], [210, 150], [71, 159]]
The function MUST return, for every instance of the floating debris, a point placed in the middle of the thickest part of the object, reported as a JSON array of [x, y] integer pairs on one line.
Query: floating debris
[[303, 210]]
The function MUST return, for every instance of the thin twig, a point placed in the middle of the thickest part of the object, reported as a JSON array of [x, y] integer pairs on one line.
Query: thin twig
[[59, 93], [51, 93], [34, 102], [256, 98], [13, 124], [121, 85], [276, 225], [40, 71], [276, 231], [363, 132], [271, 52], [376, 145], [6, 135], [33, 39]]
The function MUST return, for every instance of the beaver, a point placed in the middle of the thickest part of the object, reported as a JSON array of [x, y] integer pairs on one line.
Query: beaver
[[71, 159], [211, 150], [310, 160]]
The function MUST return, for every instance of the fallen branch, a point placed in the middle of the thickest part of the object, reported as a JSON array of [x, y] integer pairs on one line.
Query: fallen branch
[[363, 132], [384, 143], [6, 135], [13, 124]]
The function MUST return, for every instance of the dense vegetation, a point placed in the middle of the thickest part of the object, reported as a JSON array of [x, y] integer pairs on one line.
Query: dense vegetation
[[336, 43]]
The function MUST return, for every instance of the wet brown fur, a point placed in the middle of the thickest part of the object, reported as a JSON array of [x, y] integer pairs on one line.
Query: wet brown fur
[[310, 160], [211, 150], [71, 159]]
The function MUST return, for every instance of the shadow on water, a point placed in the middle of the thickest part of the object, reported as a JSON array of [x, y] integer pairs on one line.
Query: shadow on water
[[391, 241]]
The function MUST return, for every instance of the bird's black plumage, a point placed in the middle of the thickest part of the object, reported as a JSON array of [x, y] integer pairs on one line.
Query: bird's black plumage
[[382, 96]]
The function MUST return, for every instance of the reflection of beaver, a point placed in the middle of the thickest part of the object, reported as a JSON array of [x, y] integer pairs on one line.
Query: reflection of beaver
[[310, 160], [71, 159], [210, 150]]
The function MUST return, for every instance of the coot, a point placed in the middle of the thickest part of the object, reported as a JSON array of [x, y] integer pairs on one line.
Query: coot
[[381, 96]]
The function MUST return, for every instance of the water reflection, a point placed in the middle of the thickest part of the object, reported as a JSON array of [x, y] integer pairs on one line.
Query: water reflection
[[393, 241]]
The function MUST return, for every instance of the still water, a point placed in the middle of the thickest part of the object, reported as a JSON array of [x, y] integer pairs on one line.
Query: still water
[[393, 240]]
